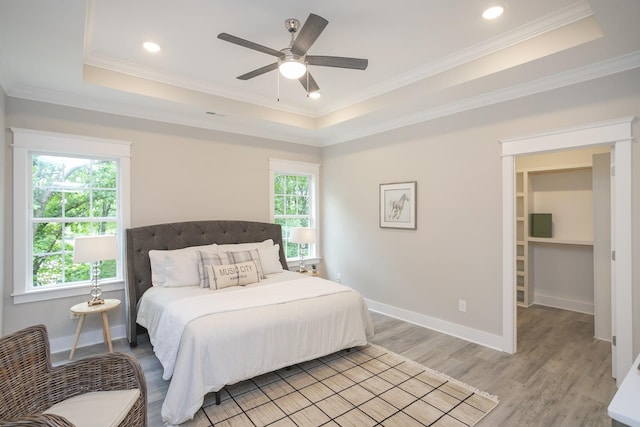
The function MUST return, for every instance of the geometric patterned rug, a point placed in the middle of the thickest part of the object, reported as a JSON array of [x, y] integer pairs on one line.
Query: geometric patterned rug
[[365, 387]]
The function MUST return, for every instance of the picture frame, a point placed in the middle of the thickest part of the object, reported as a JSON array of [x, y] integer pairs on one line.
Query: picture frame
[[398, 205]]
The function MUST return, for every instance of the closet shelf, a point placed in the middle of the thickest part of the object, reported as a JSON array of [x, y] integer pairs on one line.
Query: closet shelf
[[554, 241]]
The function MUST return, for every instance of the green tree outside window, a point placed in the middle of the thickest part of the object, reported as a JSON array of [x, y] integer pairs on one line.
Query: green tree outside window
[[291, 208], [70, 197]]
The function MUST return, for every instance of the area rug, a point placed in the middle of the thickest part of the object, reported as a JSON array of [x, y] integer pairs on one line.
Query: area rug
[[365, 387]]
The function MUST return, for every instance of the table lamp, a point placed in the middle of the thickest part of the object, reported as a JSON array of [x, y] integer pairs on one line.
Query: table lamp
[[302, 236], [95, 249]]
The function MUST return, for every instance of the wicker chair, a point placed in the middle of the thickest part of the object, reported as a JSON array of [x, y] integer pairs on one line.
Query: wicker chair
[[29, 385]]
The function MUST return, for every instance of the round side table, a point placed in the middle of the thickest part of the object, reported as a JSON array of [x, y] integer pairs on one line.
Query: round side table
[[84, 309]]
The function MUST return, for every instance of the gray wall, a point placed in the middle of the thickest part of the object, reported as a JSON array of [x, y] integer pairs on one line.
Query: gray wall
[[177, 173], [456, 251], [454, 254]]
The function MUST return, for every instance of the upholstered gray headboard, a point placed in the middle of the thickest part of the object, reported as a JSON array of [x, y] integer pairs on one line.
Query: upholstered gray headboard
[[180, 235]]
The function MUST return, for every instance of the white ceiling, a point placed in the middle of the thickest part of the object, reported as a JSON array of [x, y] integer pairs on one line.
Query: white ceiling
[[427, 59]]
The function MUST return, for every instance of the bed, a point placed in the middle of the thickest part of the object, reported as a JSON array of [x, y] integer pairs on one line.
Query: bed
[[210, 337]]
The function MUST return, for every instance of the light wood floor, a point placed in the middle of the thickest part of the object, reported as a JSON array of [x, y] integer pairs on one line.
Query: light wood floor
[[561, 375]]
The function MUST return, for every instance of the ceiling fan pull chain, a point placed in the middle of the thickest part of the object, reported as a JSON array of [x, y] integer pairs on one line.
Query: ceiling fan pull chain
[[278, 98]]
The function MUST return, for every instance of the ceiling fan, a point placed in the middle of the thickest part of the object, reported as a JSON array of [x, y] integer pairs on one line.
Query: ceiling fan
[[293, 60]]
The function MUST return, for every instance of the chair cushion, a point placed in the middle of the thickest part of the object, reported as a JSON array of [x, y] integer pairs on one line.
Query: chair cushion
[[98, 408]]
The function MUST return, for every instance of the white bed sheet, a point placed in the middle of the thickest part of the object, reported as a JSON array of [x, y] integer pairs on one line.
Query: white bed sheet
[[224, 348]]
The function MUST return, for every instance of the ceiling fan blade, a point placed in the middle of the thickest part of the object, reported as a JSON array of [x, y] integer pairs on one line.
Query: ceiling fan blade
[[338, 62], [251, 45], [308, 34], [258, 72], [311, 83]]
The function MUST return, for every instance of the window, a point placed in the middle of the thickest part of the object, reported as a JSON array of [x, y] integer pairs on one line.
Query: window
[[65, 186], [294, 190], [71, 196]]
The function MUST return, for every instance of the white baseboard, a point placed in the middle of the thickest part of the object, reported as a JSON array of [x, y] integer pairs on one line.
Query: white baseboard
[[87, 338], [563, 303], [486, 339]]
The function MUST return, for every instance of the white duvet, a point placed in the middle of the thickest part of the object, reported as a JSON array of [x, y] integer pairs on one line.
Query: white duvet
[[208, 339]]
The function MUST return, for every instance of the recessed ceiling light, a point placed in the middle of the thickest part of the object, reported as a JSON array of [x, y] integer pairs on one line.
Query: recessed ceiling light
[[493, 12], [314, 95], [151, 47]]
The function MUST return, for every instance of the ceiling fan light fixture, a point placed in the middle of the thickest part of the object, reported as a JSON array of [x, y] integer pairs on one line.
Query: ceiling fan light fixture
[[291, 67], [314, 95]]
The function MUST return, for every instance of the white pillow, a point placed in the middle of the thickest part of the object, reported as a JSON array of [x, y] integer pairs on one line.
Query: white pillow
[[246, 246], [223, 276], [270, 259], [178, 267]]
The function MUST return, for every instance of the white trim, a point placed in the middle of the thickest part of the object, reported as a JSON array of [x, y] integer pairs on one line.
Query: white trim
[[64, 292], [304, 135], [563, 303], [558, 19], [292, 167], [508, 254], [541, 85], [600, 133], [454, 329], [62, 143], [87, 338], [622, 244], [619, 134], [26, 141]]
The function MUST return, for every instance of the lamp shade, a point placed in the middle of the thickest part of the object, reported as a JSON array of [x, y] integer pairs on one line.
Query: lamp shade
[[95, 248], [302, 235]]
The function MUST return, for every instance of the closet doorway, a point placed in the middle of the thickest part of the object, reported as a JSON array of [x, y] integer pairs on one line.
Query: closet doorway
[[563, 236], [617, 134]]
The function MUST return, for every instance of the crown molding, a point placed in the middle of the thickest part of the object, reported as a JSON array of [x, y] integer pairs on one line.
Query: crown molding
[[280, 133], [559, 19], [545, 84], [135, 70], [269, 131]]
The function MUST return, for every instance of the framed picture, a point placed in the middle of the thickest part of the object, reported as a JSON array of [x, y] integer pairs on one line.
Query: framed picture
[[398, 205]]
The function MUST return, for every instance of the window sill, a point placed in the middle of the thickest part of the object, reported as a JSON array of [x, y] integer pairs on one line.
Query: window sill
[[307, 261], [66, 292]]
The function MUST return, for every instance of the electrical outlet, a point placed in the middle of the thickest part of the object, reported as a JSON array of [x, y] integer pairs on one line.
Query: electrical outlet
[[462, 306], [339, 278]]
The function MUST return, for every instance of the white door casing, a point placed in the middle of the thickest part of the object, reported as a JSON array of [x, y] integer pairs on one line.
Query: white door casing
[[602, 187], [619, 135]]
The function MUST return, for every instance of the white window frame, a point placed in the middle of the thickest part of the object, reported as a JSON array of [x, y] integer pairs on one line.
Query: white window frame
[[311, 170], [27, 142]]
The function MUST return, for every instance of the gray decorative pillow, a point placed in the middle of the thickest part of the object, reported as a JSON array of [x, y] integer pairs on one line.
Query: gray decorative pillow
[[212, 257], [244, 256]]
